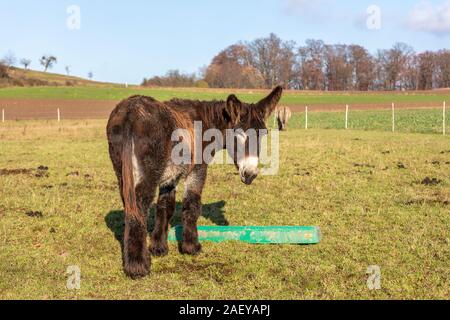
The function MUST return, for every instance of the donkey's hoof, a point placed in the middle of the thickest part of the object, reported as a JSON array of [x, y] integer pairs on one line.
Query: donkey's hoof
[[137, 270], [159, 250], [192, 249]]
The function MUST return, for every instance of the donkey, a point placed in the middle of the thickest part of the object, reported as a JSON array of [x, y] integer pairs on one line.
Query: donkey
[[140, 131], [283, 115]]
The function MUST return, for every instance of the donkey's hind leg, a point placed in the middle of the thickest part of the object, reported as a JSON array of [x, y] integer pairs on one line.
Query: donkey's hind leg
[[192, 209], [165, 209], [135, 256], [145, 170]]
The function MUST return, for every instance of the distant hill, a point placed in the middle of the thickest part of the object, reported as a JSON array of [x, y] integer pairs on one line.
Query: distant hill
[[30, 78]]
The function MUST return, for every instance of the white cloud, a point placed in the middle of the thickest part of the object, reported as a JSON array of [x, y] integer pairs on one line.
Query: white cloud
[[431, 18]]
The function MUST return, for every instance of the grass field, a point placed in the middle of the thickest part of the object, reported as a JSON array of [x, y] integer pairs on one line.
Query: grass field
[[294, 98], [368, 191], [408, 121]]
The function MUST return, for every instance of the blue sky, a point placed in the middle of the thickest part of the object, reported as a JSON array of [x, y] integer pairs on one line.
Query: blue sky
[[124, 41]]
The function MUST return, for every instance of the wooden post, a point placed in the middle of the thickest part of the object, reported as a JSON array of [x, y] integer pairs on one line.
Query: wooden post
[[346, 117], [3, 115], [306, 117], [59, 116], [393, 117], [444, 121]]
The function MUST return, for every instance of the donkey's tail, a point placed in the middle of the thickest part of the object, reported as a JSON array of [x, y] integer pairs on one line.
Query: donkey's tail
[[128, 184]]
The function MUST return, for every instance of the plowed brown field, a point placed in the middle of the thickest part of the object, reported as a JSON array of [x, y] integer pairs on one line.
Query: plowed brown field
[[26, 109]]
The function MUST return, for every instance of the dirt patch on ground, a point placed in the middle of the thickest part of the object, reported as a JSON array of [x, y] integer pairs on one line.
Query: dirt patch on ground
[[34, 214], [422, 202], [364, 165], [29, 109], [40, 172], [400, 166], [14, 172], [431, 181]]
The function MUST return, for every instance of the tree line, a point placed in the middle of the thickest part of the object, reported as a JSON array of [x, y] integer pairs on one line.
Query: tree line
[[175, 78], [270, 61]]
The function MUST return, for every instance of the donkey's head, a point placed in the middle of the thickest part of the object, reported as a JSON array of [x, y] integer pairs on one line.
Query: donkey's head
[[249, 124]]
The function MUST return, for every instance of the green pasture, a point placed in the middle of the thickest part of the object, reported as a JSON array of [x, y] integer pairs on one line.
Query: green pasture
[[408, 121], [290, 98]]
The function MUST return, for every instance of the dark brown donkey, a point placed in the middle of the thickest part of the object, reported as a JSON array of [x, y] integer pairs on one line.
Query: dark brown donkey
[[140, 132]]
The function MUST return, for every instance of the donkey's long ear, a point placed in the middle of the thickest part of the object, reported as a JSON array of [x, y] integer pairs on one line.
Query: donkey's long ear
[[268, 105], [232, 111]]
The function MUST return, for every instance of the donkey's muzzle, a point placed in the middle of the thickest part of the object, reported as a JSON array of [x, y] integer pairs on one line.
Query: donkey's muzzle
[[247, 176]]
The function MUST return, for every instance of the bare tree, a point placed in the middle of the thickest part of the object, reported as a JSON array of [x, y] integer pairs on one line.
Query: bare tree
[[311, 65], [67, 68], [274, 59], [90, 75], [426, 70], [397, 59], [9, 60], [442, 61], [381, 77], [285, 70], [337, 68], [232, 68], [25, 62], [47, 61], [363, 68], [411, 73]]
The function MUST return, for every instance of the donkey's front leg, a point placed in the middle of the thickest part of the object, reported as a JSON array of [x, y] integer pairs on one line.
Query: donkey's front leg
[[164, 212], [192, 209]]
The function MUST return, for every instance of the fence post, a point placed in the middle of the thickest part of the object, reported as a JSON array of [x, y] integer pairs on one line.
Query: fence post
[[59, 116], [393, 117], [444, 121], [3, 115], [275, 117], [306, 117], [346, 117]]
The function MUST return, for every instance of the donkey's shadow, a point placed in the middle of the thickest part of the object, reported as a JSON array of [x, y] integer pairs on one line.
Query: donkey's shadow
[[115, 220]]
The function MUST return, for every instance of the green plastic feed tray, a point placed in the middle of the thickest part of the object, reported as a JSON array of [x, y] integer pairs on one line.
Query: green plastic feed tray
[[257, 235]]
